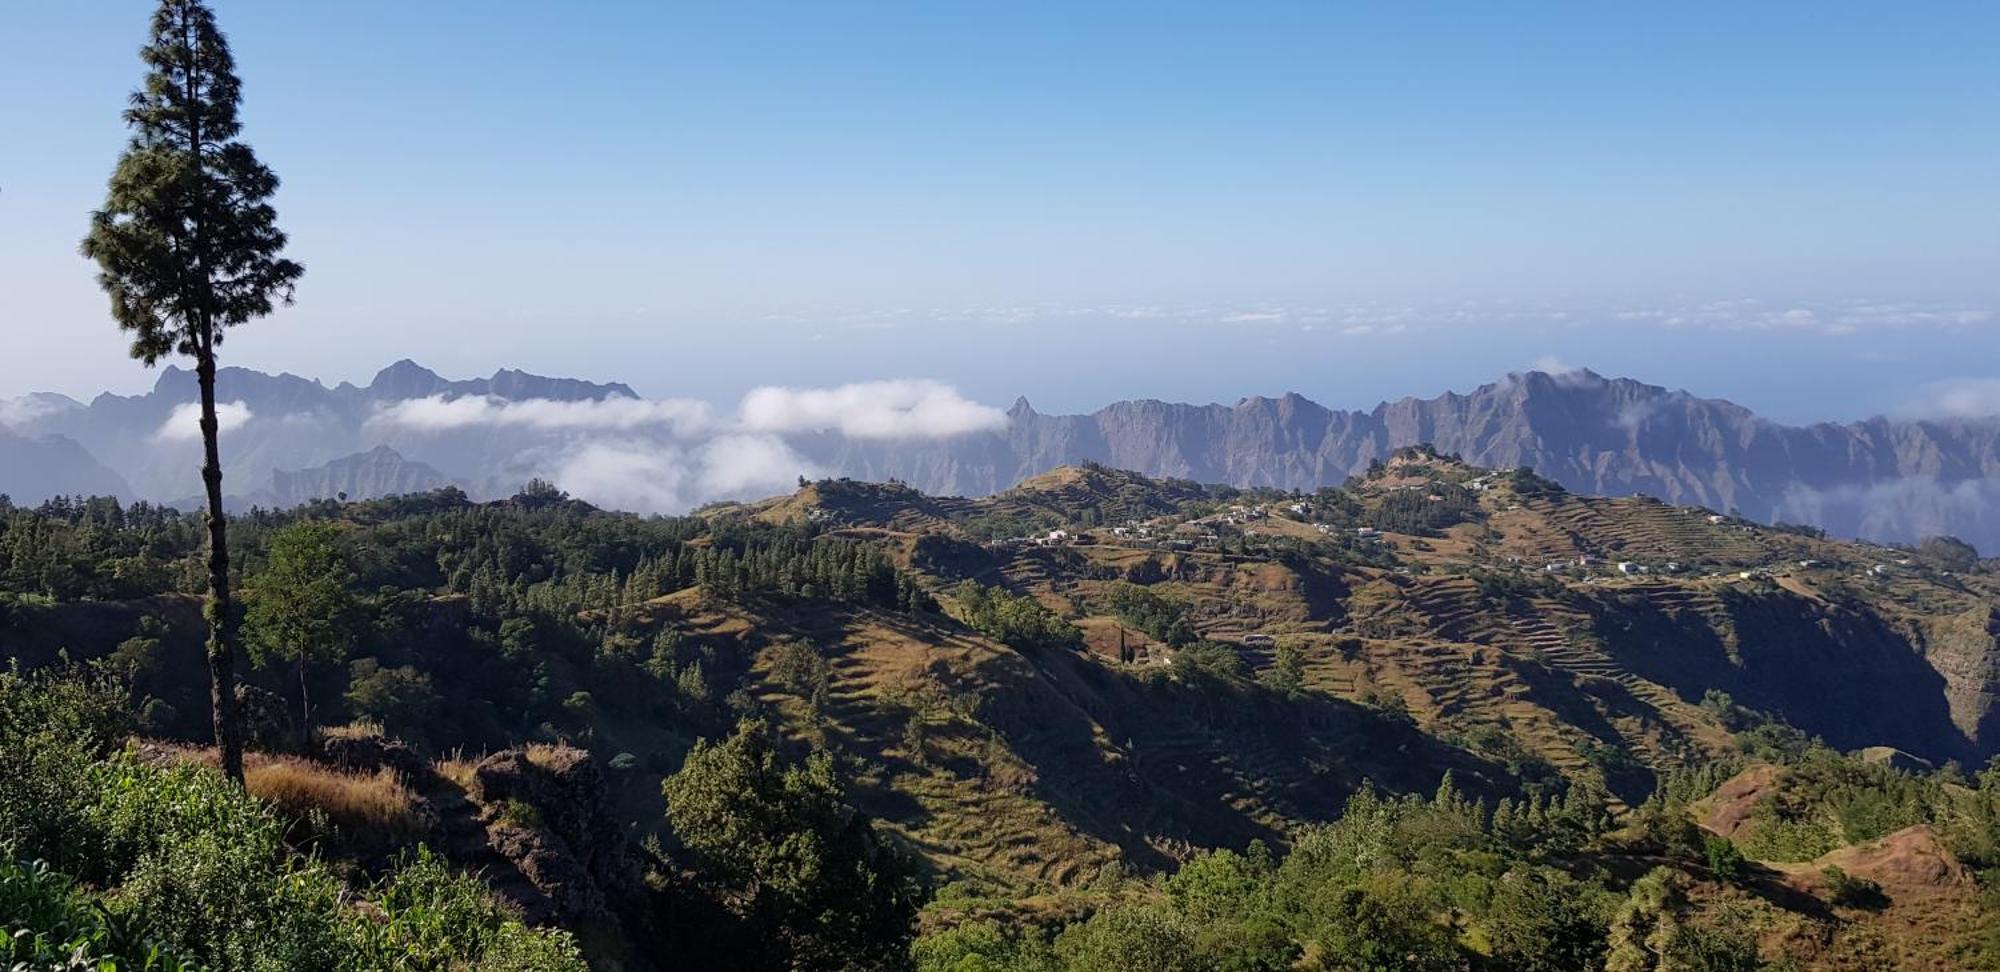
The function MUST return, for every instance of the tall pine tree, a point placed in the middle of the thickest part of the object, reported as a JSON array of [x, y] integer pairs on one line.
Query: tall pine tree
[[188, 246]]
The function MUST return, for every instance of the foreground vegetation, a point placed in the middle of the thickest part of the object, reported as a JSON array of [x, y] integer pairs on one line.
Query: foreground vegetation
[[533, 734]]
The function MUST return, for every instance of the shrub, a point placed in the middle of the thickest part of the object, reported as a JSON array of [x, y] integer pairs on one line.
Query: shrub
[[1773, 839], [1851, 891], [1724, 860], [209, 898], [983, 945], [46, 923], [139, 809], [1122, 938], [52, 728], [433, 918]]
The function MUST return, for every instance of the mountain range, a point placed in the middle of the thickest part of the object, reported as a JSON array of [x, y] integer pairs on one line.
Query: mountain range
[[289, 439]]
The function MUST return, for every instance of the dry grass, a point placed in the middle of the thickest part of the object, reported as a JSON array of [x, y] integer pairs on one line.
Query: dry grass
[[458, 769], [358, 729], [369, 806], [550, 756]]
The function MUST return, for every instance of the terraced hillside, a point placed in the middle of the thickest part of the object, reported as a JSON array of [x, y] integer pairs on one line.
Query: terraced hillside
[[1551, 635], [1152, 667]]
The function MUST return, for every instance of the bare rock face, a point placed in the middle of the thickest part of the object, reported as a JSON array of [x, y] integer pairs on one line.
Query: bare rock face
[[548, 812], [1912, 860], [361, 753], [267, 721]]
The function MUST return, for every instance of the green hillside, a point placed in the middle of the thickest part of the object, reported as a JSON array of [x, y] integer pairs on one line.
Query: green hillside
[[1441, 716]]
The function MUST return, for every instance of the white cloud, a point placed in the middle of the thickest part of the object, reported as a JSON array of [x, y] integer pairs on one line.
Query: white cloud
[[1957, 398], [28, 409], [625, 476], [652, 477], [1549, 364], [668, 455], [184, 422], [683, 417], [902, 409], [748, 465], [1634, 414]]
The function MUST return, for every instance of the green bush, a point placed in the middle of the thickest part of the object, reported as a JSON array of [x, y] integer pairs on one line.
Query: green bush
[[434, 918], [1850, 891], [46, 923], [1773, 839], [53, 727], [237, 908], [192, 868], [1724, 860]]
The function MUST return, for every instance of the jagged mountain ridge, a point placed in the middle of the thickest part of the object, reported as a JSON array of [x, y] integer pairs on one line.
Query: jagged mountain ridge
[[299, 427], [1881, 478]]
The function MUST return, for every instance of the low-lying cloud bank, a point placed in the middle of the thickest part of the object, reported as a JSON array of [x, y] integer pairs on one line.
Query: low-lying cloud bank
[[1956, 398], [183, 424], [907, 409], [654, 477], [900, 409], [683, 417], [668, 455], [1913, 506]]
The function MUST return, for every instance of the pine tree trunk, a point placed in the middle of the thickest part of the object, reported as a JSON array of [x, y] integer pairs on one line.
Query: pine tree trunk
[[305, 707], [221, 612]]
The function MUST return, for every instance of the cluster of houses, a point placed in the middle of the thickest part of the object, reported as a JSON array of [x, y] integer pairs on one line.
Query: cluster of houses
[[1053, 538], [1623, 568], [1359, 533]]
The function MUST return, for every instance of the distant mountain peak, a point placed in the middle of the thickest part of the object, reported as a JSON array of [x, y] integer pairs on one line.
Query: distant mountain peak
[[406, 379]]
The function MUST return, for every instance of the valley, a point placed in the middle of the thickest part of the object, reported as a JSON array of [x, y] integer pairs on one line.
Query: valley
[[1089, 676]]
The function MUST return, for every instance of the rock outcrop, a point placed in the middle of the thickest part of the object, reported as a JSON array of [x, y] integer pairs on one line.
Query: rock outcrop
[[547, 811]]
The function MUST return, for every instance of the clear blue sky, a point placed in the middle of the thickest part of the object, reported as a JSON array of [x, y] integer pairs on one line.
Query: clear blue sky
[[1178, 201]]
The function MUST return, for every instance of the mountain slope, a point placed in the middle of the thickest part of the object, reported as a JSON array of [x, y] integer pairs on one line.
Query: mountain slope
[[1884, 479], [1890, 480], [34, 468]]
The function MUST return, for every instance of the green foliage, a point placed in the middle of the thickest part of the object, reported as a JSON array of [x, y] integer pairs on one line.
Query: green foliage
[[1852, 891], [1725, 861], [47, 923], [181, 861], [806, 872], [1124, 937], [1018, 622], [984, 946], [1542, 920], [187, 242], [81, 549], [435, 918], [54, 726], [1772, 838], [1426, 510], [1209, 661], [302, 607], [1396, 883], [1151, 612], [802, 670], [399, 699]]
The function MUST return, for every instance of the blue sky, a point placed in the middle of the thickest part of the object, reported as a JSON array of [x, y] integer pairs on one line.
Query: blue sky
[[1793, 205]]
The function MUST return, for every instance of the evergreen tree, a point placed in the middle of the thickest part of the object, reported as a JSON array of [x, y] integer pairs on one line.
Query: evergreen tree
[[187, 245], [302, 606]]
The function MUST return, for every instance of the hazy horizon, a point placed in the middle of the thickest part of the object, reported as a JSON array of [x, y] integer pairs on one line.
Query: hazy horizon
[[1790, 207]]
